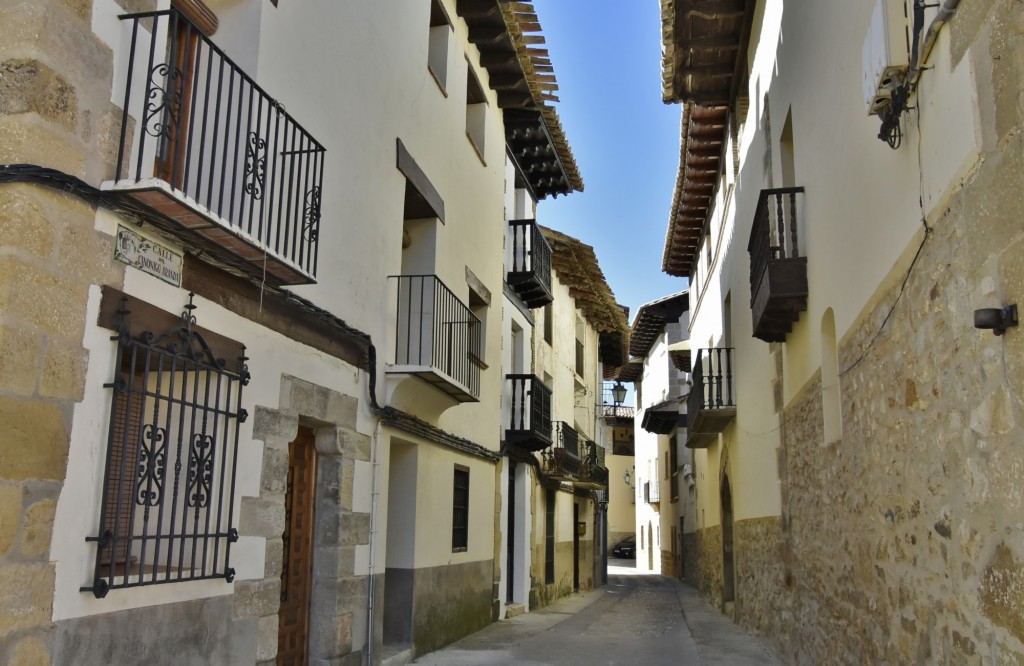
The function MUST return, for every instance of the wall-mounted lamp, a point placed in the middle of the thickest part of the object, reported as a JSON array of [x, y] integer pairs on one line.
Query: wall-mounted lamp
[[619, 395], [627, 478], [996, 319]]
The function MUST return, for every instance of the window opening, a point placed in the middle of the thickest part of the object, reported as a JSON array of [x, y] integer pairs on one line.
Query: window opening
[[476, 111], [460, 509], [437, 54], [166, 513]]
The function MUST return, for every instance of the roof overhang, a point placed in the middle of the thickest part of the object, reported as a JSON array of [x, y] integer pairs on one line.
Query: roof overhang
[[704, 49], [704, 66], [631, 372], [702, 138], [519, 69], [651, 319], [663, 418]]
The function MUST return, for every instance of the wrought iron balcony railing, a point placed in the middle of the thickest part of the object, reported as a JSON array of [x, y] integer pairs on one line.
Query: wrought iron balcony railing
[[652, 494], [778, 274], [530, 271], [438, 337], [563, 458], [217, 158], [711, 404], [529, 425]]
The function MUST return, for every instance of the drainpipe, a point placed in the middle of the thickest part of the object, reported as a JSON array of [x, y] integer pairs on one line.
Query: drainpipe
[[374, 492], [946, 11]]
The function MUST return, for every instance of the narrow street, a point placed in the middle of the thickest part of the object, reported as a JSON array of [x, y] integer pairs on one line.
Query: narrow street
[[633, 619]]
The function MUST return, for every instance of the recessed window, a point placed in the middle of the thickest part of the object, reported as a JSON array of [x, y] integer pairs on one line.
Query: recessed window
[[580, 347], [440, 39], [172, 446], [460, 509], [549, 323], [476, 111]]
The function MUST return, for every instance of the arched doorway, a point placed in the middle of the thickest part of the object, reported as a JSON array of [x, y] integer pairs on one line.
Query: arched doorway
[[650, 547], [728, 586]]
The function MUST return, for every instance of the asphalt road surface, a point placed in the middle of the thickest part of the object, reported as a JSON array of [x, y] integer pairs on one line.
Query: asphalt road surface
[[648, 620]]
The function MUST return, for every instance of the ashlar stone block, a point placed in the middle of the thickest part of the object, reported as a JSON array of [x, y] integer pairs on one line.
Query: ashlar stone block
[[35, 539], [34, 442], [30, 230], [49, 302], [30, 86], [26, 595], [10, 517], [19, 360], [30, 651], [63, 372]]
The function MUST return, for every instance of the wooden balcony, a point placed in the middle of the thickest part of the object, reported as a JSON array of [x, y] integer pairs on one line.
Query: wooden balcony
[[778, 274], [711, 405], [529, 273], [529, 425], [562, 460], [212, 158]]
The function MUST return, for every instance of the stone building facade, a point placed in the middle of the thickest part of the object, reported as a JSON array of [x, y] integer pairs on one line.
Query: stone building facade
[[272, 408], [861, 503]]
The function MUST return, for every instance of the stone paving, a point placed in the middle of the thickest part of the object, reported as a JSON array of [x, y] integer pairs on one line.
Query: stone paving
[[634, 619]]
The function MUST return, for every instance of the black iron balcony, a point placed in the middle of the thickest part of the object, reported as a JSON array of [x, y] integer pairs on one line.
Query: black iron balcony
[[563, 459], [652, 494], [438, 338], [530, 412], [778, 274], [593, 474], [711, 405], [530, 272], [216, 159]]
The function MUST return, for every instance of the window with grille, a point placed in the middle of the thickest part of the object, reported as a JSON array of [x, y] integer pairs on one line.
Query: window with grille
[[168, 492], [460, 509]]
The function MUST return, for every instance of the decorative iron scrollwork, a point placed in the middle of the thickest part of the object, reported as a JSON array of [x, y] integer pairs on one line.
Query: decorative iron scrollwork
[[200, 471], [149, 485], [163, 105], [255, 166], [172, 448], [311, 216]]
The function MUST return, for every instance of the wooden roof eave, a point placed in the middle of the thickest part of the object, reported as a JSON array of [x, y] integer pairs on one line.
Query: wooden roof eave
[[694, 189], [507, 36], [577, 267]]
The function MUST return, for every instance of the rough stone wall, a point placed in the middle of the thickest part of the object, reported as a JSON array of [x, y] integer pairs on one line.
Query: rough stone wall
[[55, 112], [709, 572], [669, 564], [450, 602], [759, 570], [904, 542], [691, 559]]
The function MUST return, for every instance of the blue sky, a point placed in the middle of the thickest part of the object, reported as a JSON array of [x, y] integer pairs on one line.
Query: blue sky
[[607, 58]]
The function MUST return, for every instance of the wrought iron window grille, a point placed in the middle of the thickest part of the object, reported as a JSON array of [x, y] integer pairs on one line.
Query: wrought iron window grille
[[167, 513]]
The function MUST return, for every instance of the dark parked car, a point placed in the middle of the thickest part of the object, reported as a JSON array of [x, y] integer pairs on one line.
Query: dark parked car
[[625, 548]]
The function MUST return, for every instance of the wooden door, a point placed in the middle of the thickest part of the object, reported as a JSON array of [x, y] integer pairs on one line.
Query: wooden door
[[296, 572]]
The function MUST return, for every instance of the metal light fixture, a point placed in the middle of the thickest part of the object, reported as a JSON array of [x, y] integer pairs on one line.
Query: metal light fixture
[[996, 319], [626, 478], [619, 395]]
